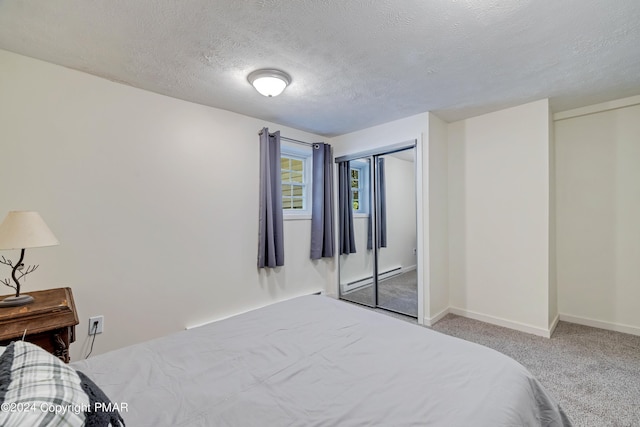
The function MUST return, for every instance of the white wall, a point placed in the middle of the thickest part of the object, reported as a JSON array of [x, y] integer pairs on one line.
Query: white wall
[[153, 199], [598, 217], [438, 219], [394, 132], [499, 216]]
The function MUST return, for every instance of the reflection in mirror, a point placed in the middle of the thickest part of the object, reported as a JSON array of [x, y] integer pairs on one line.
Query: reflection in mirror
[[355, 227], [380, 191], [397, 233]]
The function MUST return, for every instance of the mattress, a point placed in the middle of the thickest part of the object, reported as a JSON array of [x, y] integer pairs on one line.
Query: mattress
[[316, 361]]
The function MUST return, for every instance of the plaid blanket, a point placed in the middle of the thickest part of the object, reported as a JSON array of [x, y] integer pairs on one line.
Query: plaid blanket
[[37, 389]]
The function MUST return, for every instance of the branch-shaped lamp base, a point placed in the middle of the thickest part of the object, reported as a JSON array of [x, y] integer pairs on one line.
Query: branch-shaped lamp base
[[16, 301]]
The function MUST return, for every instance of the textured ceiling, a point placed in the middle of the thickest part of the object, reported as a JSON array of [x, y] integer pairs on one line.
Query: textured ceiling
[[353, 63]]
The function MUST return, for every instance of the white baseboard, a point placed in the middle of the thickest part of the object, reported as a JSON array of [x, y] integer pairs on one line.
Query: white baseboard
[[430, 321], [609, 326], [522, 327], [554, 324]]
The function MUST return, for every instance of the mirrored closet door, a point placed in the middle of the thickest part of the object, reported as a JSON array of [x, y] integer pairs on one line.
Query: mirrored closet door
[[377, 227]]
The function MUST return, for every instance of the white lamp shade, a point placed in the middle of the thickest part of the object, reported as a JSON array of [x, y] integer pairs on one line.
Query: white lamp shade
[[269, 82], [25, 229]]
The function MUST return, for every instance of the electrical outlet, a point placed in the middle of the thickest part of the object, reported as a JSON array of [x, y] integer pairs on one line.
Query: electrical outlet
[[99, 328]]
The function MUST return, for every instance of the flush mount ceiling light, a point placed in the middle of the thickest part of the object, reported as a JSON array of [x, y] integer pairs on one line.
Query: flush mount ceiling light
[[269, 82]]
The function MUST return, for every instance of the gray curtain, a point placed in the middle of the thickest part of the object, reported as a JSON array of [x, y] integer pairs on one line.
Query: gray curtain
[[270, 226], [347, 240], [322, 202], [382, 208]]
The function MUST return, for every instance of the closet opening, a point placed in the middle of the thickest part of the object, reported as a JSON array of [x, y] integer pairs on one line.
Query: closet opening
[[377, 225]]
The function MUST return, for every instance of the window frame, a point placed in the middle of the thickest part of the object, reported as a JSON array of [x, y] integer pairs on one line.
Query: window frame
[[305, 156]]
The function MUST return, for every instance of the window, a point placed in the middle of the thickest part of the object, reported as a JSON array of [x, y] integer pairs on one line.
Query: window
[[360, 186], [295, 171], [356, 188]]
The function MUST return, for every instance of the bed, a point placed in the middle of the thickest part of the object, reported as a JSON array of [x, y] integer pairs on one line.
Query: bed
[[316, 361]]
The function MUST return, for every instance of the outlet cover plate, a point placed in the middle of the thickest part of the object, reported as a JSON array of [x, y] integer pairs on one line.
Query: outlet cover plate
[[100, 328]]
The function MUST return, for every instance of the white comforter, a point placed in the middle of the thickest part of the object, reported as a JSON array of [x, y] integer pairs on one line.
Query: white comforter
[[315, 361]]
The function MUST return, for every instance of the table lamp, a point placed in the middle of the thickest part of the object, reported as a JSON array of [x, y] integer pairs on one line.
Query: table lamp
[[21, 230]]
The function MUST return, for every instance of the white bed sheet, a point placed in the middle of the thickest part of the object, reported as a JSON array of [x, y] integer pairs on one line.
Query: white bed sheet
[[315, 361]]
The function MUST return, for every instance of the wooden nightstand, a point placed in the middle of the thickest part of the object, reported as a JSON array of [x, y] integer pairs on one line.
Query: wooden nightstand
[[50, 321]]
